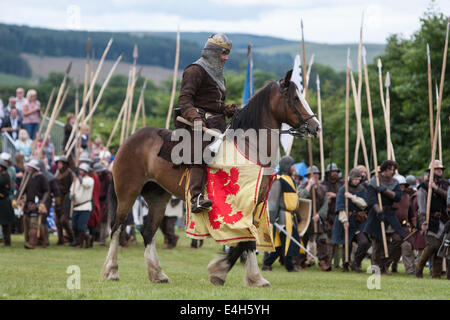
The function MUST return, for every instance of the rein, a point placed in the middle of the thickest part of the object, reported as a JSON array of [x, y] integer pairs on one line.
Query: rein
[[302, 129]]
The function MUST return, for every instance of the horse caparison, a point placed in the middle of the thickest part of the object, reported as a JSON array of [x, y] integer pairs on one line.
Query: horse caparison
[[138, 171]]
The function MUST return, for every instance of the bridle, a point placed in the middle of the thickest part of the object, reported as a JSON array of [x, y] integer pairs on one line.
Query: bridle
[[302, 129]]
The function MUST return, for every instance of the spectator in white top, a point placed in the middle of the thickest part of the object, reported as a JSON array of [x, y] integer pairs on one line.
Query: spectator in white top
[[81, 195], [20, 100]]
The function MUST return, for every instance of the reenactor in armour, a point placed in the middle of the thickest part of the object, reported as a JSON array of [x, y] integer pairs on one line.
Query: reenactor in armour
[[37, 193], [408, 218], [355, 221], [320, 237], [282, 202], [64, 177], [332, 183], [201, 99], [434, 229], [390, 192]]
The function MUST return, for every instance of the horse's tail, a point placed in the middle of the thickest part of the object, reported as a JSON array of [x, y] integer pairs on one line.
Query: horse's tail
[[112, 206]]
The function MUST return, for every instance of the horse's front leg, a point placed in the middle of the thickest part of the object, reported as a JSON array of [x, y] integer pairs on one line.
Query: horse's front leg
[[253, 277]]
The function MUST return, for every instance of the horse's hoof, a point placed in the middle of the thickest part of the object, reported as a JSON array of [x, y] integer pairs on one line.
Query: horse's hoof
[[216, 281], [113, 278], [161, 281]]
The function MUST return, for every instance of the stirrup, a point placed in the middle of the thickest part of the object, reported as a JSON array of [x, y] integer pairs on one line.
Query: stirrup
[[200, 205]]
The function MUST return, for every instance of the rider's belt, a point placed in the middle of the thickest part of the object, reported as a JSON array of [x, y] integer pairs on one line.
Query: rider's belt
[[203, 113]]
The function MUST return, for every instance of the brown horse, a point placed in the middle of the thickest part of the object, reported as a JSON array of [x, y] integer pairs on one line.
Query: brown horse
[[138, 171]]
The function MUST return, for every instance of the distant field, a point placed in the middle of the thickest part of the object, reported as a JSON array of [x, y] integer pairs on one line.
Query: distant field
[[9, 79], [41, 274], [42, 66]]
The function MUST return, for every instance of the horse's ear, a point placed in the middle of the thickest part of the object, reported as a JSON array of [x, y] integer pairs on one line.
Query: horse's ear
[[287, 79]]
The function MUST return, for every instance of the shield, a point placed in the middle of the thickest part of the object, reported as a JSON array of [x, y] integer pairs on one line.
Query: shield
[[304, 211]]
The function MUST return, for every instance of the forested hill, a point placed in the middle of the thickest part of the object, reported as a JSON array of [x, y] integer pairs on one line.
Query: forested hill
[[158, 48]]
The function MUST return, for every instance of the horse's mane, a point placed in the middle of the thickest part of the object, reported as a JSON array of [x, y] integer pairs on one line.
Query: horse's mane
[[251, 114]]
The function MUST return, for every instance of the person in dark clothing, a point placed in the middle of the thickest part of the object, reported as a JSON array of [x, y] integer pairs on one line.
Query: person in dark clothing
[[332, 183], [64, 177], [355, 222], [7, 216], [390, 192], [434, 229], [37, 193], [201, 99]]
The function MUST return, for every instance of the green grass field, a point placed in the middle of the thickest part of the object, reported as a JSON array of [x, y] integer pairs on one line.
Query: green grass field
[[41, 274]]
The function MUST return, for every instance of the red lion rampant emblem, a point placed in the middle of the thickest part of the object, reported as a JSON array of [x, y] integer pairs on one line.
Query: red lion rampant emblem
[[219, 186]]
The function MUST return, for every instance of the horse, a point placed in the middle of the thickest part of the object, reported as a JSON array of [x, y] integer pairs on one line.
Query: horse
[[138, 170]]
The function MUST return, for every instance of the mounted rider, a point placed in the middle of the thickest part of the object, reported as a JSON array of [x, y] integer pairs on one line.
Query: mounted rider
[[202, 96]]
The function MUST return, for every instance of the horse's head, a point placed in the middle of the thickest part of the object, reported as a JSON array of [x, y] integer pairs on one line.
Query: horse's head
[[294, 109]]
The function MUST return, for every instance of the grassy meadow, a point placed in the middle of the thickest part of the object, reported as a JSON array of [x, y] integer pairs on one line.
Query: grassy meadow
[[42, 274]]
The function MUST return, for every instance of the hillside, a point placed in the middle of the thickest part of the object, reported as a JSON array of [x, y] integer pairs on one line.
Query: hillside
[[19, 44], [333, 55], [42, 66]]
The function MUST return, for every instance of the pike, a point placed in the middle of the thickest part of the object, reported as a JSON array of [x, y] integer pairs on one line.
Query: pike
[[359, 136], [358, 121], [49, 103], [385, 112], [387, 84], [311, 62], [374, 148], [319, 114], [91, 89], [174, 80], [439, 129], [139, 106], [105, 83], [133, 84], [430, 94], [305, 94], [347, 107], [125, 112], [438, 115], [119, 117], [293, 240]]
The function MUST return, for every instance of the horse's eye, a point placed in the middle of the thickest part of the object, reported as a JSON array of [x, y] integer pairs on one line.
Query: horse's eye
[[296, 99]]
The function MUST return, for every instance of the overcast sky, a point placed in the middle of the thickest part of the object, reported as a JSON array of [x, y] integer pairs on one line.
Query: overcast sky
[[324, 20]]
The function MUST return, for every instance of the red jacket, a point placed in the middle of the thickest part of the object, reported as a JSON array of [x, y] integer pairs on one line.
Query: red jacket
[[95, 215]]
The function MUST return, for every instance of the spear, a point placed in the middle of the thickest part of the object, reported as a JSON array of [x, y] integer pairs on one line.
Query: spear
[[430, 94], [374, 148], [86, 69], [174, 80], [305, 94], [388, 117], [311, 62], [358, 96], [141, 100], [133, 77], [359, 124], [97, 101], [438, 115], [319, 114], [383, 105], [91, 89], [126, 102], [48, 107], [143, 113], [347, 102], [439, 129], [121, 113]]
